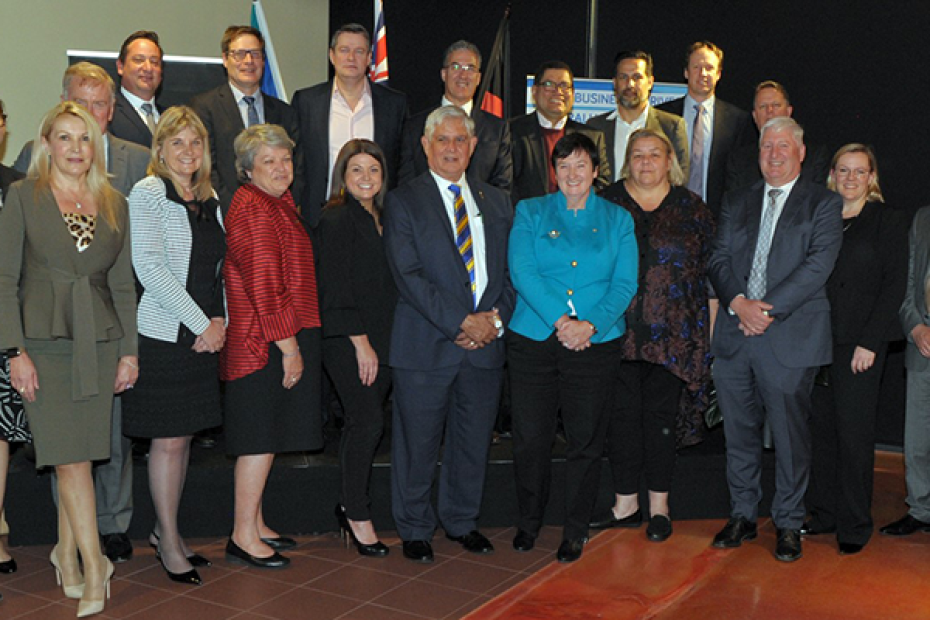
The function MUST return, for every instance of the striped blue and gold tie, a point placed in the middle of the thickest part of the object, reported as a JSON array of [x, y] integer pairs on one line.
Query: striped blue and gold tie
[[463, 238]]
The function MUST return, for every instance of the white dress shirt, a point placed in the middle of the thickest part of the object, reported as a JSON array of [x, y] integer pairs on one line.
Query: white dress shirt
[[622, 132], [346, 124], [475, 223], [244, 107], [136, 103]]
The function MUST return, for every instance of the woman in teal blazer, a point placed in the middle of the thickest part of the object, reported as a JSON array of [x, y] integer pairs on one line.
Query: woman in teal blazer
[[573, 263]]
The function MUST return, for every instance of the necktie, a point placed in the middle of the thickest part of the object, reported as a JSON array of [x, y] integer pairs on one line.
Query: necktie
[[696, 175], [253, 111], [756, 286], [463, 238], [149, 116]]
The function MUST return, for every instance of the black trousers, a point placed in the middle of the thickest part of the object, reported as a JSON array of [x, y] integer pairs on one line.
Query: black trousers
[[547, 378], [363, 408], [843, 434], [642, 427]]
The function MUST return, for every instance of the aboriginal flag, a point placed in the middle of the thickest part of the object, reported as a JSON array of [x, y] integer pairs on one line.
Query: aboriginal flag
[[494, 94]]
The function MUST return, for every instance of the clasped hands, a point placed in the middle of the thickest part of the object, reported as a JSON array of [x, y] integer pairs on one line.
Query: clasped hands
[[574, 335], [213, 338], [753, 315], [478, 330]]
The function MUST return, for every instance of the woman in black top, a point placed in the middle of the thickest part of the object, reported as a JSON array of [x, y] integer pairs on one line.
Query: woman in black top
[[865, 292], [358, 296]]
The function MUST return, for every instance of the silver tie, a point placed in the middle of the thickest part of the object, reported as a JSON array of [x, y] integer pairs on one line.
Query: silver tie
[[149, 116], [252, 110], [696, 170], [760, 260]]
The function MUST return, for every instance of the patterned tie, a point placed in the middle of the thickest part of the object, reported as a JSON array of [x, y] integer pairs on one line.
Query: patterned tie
[[149, 116], [756, 287], [696, 175], [463, 238], [253, 111]]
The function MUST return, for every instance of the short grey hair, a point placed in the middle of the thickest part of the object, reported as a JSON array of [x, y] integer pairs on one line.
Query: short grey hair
[[780, 123], [252, 139], [461, 44], [442, 114]]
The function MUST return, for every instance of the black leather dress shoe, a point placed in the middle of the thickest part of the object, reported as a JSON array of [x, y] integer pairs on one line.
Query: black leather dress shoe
[[734, 533], [523, 541], [235, 553], [473, 542], [570, 549], [659, 529], [418, 551], [8, 567], [905, 526], [850, 548], [117, 547], [810, 529], [609, 521], [281, 543], [788, 547]]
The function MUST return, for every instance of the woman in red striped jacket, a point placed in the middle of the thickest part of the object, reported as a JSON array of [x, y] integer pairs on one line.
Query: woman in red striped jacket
[[271, 361]]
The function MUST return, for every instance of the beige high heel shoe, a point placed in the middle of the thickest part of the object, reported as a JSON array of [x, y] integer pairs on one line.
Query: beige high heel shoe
[[73, 591], [95, 606]]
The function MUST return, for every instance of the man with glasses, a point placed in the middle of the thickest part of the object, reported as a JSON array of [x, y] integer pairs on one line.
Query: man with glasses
[[491, 161], [633, 80], [238, 104], [350, 106], [535, 134], [140, 68]]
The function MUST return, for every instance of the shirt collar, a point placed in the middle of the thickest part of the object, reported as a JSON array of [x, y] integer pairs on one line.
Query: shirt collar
[[238, 94], [466, 107], [137, 101], [786, 188], [707, 104], [544, 122]]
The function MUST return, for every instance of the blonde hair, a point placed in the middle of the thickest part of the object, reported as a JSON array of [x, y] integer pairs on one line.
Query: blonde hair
[[172, 122], [675, 175], [875, 192], [108, 199]]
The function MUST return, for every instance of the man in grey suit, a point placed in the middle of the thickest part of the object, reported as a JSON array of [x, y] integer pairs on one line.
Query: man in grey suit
[[91, 86], [915, 319], [633, 80], [777, 242]]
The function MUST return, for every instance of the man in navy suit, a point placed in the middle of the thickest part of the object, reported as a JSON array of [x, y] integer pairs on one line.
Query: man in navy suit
[[240, 103], [445, 234], [776, 245], [461, 74], [350, 106], [140, 68]]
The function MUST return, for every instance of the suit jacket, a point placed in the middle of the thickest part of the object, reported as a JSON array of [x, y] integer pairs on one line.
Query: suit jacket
[[491, 162], [435, 291], [128, 125], [126, 163], [673, 126], [531, 163], [743, 165], [312, 106], [7, 177], [220, 115], [733, 128], [804, 248], [357, 291], [867, 285], [914, 310]]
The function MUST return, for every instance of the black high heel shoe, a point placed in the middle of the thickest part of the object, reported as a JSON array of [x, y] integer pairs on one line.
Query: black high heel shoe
[[191, 577], [375, 550], [196, 560]]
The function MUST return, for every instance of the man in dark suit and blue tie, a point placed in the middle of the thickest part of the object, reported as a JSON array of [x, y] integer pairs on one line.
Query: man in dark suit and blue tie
[[140, 68], [776, 245], [445, 234]]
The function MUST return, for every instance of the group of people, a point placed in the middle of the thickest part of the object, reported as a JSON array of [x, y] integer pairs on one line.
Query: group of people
[[602, 268]]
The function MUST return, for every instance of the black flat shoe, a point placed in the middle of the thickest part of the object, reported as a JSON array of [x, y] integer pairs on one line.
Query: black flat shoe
[[570, 550], [473, 542], [660, 528], [196, 560], [234, 553], [280, 543], [117, 547], [374, 550], [609, 521], [8, 567], [734, 533], [788, 547], [190, 577], [850, 548], [418, 551], [905, 526], [810, 529], [524, 541]]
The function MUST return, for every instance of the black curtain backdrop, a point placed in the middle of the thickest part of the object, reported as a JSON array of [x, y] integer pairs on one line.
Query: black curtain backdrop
[[856, 71]]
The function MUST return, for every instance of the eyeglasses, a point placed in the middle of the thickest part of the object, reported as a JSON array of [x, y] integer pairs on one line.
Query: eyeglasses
[[239, 55], [857, 173], [551, 86], [460, 67]]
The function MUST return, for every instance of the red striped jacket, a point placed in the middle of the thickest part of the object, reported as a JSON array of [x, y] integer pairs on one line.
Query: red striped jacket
[[270, 279]]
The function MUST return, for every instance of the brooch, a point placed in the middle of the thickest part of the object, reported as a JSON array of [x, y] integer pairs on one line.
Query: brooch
[[554, 234]]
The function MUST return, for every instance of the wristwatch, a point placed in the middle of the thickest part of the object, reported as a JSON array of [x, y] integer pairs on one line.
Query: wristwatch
[[14, 352], [498, 325]]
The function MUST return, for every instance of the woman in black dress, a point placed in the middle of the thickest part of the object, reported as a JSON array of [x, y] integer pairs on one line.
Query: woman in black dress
[[177, 251], [358, 296]]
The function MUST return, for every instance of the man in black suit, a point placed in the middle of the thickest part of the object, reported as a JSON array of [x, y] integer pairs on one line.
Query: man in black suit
[[461, 74], [350, 106], [723, 126], [140, 68], [633, 80], [535, 134], [770, 101], [228, 109], [7, 175], [777, 242], [445, 235]]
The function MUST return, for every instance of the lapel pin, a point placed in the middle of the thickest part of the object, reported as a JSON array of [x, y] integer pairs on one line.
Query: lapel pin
[[554, 234]]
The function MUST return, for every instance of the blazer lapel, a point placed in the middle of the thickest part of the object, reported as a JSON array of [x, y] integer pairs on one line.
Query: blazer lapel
[[231, 110]]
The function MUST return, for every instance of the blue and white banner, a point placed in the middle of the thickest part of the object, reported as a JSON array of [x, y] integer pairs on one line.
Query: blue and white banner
[[593, 97], [272, 82]]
